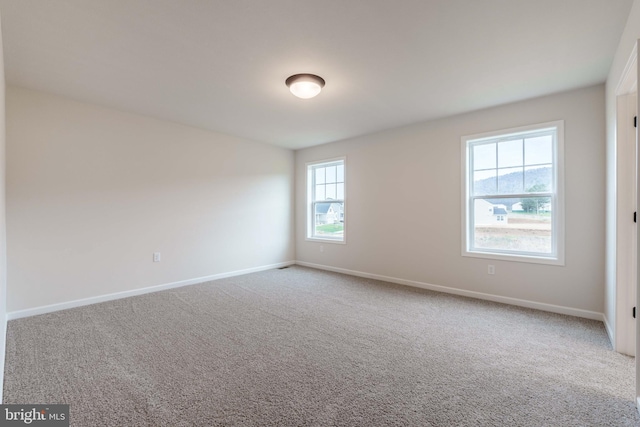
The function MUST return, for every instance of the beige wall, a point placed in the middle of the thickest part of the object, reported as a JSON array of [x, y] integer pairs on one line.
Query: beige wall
[[403, 204], [3, 235], [627, 42], [92, 192]]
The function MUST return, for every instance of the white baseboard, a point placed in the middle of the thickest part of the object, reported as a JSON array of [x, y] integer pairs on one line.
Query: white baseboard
[[472, 294], [607, 327], [133, 292], [593, 315]]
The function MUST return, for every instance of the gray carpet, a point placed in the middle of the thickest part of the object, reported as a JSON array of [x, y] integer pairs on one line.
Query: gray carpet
[[302, 347]]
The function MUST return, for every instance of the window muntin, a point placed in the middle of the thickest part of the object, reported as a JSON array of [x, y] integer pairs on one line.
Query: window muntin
[[513, 194], [326, 193]]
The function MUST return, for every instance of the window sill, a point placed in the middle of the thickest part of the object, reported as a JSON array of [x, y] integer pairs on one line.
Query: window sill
[[327, 240], [532, 259]]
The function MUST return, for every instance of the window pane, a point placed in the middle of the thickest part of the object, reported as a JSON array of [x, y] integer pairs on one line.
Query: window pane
[[485, 182], [340, 173], [331, 174], [329, 220], [326, 215], [510, 180], [538, 150], [484, 156], [510, 153], [538, 179], [524, 226], [330, 192]]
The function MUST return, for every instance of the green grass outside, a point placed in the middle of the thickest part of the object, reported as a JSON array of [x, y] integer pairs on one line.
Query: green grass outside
[[329, 228]]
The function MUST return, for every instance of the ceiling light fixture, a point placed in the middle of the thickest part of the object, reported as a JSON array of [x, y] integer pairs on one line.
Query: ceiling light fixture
[[305, 86]]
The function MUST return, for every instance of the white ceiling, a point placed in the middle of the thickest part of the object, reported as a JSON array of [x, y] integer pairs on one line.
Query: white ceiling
[[221, 65]]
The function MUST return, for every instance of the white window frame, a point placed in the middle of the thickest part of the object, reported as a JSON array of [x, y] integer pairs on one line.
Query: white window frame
[[557, 195], [310, 184]]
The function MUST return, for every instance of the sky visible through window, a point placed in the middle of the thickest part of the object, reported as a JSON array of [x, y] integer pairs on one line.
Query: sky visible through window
[[329, 183], [510, 166]]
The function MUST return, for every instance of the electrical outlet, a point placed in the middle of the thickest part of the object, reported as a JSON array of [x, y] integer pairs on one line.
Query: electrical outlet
[[156, 257], [321, 248], [491, 269]]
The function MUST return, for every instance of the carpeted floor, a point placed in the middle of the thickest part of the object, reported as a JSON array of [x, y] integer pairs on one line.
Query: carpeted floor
[[303, 347]]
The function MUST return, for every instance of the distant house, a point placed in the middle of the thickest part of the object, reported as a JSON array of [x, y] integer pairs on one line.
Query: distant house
[[329, 213], [486, 213]]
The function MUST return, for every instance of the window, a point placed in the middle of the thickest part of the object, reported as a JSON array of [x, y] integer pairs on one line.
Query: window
[[513, 194], [325, 194]]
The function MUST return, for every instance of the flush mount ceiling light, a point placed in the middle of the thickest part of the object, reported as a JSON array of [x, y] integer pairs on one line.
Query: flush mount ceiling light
[[305, 86]]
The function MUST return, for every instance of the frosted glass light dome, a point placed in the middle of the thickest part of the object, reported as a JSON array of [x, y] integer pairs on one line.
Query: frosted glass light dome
[[305, 86]]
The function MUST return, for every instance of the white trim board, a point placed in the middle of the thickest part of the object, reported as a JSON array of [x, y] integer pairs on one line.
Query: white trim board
[[3, 352], [607, 327], [629, 80], [133, 292], [472, 294], [586, 314]]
